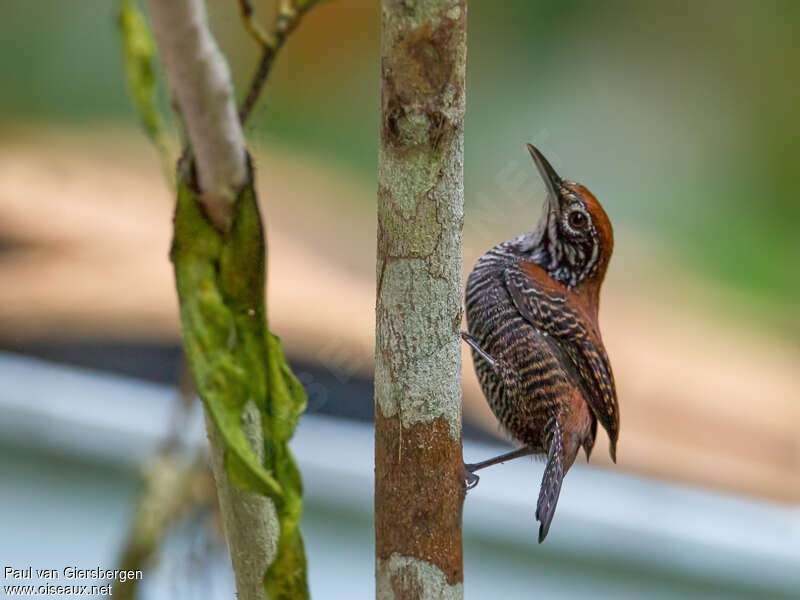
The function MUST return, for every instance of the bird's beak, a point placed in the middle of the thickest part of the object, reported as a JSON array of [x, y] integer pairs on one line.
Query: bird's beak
[[549, 175]]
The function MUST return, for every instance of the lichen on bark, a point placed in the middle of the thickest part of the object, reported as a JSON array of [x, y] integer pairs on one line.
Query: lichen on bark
[[420, 210], [404, 578]]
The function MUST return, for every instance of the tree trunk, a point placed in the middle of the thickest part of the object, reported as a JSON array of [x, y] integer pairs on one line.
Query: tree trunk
[[419, 476]]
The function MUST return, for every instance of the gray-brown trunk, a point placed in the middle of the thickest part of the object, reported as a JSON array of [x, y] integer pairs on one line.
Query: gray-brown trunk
[[419, 478]]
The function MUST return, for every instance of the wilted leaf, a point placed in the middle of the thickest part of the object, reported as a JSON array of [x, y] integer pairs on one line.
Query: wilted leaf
[[235, 359]]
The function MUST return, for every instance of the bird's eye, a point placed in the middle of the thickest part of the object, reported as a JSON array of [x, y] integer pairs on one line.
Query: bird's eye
[[577, 219]]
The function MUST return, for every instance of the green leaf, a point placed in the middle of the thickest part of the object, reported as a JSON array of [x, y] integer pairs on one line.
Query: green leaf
[[235, 359], [286, 578], [139, 52]]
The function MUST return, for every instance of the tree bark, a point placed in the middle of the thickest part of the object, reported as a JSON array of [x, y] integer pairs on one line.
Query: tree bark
[[419, 476], [200, 82]]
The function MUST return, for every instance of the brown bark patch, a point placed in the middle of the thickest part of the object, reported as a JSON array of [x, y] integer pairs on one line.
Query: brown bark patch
[[429, 59], [419, 494], [416, 74]]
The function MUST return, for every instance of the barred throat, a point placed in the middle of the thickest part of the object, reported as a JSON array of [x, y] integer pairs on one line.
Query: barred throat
[[579, 261], [568, 261]]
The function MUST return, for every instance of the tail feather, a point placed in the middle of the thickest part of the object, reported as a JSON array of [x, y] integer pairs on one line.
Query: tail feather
[[551, 483], [588, 442], [612, 450]]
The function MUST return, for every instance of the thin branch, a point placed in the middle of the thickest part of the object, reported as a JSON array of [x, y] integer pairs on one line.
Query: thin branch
[[172, 485], [252, 26], [171, 489], [289, 16], [219, 271], [201, 86], [200, 83]]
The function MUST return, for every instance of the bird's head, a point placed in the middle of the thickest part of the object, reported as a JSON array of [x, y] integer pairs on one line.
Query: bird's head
[[573, 240]]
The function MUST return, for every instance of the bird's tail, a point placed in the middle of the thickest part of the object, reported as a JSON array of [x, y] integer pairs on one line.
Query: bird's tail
[[551, 482], [588, 441]]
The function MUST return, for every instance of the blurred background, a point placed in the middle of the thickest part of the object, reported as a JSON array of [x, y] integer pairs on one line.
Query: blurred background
[[680, 117]]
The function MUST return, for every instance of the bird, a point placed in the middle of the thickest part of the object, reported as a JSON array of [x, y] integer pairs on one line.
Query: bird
[[532, 326]]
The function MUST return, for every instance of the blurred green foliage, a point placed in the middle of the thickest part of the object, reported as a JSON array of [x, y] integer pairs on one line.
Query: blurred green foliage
[[681, 116], [139, 52]]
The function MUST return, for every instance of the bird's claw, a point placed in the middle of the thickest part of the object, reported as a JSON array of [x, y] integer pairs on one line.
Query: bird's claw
[[471, 479]]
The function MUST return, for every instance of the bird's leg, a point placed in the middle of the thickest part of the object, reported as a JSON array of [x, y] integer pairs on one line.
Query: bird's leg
[[508, 375], [519, 452], [473, 343], [510, 380], [472, 479]]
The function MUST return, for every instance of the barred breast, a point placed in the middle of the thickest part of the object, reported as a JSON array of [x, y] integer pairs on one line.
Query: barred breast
[[525, 392]]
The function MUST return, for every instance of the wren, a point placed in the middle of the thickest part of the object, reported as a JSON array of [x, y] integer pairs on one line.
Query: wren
[[532, 305]]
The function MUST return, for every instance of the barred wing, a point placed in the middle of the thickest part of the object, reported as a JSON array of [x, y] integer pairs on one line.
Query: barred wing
[[547, 308]]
